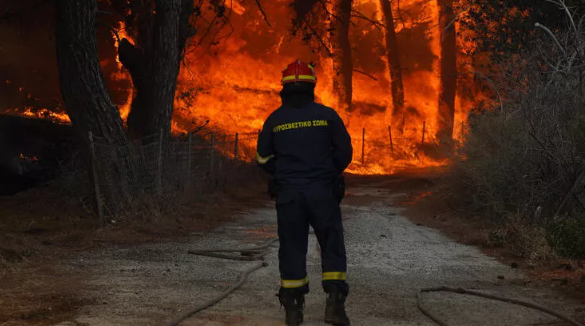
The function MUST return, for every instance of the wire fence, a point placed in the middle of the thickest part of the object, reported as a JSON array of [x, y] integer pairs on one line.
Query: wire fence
[[206, 161], [166, 169], [411, 144]]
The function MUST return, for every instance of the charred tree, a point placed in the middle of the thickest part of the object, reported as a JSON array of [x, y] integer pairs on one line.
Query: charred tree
[[84, 91], [341, 52], [395, 68], [448, 72], [162, 29]]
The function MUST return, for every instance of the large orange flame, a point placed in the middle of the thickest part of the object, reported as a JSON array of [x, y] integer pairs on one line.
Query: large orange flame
[[234, 83]]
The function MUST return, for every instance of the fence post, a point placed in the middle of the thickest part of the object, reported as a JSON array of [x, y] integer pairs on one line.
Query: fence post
[[363, 145], [160, 163], [391, 142], [97, 193], [189, 154], [212, 158], [236, 149], [254, 159], [424, 130]]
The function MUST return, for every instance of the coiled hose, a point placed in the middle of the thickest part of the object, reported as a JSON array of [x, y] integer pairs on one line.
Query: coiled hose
[[249, 254]]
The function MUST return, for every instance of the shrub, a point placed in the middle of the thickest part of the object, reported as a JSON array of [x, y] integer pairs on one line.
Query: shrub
[[567, 237], [523, 160]]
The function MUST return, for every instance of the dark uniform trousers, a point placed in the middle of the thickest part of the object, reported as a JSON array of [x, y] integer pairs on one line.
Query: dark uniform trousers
[[298, 209]]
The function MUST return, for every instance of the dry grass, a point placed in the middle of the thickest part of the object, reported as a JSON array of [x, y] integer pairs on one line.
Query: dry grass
[[528, 242]]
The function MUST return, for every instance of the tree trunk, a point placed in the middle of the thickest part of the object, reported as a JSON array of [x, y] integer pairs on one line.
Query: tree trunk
[[84, 92], [395, 69], [154, 64], [342, 58], [448, 89]]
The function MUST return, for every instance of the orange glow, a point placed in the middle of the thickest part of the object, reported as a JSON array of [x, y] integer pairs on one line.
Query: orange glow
[[28, 158], [237, 88], [118, 36], [234, 83], [40, 114]]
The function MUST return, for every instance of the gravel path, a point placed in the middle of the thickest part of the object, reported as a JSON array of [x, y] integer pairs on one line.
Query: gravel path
[[390, 258]]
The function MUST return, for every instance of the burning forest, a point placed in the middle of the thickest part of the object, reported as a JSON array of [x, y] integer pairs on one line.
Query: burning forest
[[135, 134], [399, 73]]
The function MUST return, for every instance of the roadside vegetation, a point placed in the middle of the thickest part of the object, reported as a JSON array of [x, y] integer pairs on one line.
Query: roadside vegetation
[[522, 165]]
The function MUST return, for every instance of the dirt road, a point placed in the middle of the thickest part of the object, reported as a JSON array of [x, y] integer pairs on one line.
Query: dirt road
[[390, 258]]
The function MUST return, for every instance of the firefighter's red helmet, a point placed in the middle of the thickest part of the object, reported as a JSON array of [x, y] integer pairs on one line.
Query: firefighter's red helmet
[[298, 71]]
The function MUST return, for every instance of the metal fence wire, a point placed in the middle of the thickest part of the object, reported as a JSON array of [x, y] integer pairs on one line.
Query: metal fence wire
[[205, 161], [186, 165]]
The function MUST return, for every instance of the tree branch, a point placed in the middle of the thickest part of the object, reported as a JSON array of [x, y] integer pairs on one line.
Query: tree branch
[[376, 23], [365, 74], [111, 28], [331, 14], [563, 6], [548, 31], [457, 16], [491, 83], [323, 44], [263, 13]]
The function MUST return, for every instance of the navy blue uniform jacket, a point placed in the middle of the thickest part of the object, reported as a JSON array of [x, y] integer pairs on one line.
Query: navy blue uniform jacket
[[302, 146]]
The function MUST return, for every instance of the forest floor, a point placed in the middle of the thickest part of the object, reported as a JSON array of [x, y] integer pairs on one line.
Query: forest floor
[[399, 238]]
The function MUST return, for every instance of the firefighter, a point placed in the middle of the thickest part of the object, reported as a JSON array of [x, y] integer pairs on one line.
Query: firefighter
[[306, 147]]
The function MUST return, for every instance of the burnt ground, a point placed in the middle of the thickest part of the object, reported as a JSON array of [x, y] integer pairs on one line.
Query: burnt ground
[[56, 269]]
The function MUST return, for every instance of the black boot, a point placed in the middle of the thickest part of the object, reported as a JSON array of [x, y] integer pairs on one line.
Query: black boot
[[293, 302], [335, 309]]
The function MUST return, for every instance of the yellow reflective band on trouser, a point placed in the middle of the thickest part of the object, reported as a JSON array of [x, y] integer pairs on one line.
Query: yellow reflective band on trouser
[[291, 284], [334, 276], [263, 160], [301, 77]]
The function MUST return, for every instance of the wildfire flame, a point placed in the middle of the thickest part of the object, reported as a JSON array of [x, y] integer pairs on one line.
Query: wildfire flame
[[237, 88], [234, 83], [42, 113], [28, 159]]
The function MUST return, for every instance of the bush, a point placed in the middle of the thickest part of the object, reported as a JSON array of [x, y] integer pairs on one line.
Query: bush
[[522, 161], [567, 237]]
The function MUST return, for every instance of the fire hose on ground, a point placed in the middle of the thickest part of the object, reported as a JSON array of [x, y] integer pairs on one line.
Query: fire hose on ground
[[249, 254], [486, 296], [258, 253]]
